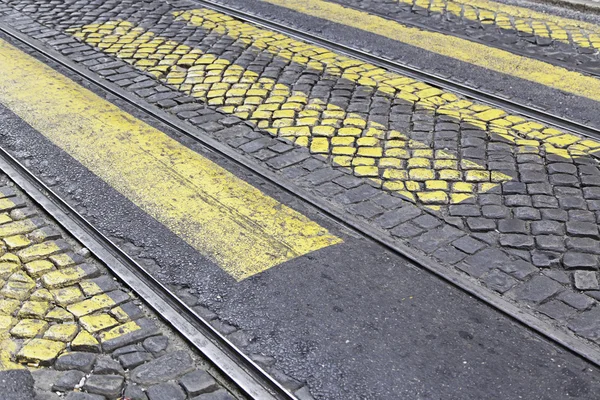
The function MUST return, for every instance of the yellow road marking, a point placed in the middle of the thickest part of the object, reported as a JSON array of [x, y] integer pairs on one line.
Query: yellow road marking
[[517, 18], [366, 147], [459, 49], [241, 229]]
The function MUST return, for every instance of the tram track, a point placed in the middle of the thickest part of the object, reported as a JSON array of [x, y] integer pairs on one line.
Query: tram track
[[232, 362]]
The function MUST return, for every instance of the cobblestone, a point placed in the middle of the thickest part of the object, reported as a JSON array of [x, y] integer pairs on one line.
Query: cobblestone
[[68, 309], [542, 204]]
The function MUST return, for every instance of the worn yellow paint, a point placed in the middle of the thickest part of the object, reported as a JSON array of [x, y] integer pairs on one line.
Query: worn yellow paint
[[459, 49], [119, 331], [370, 150], [241, 229], [521, 19]]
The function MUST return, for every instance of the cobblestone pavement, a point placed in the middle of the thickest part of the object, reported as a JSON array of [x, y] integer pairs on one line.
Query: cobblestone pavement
[[80, 333], [508, 202], [566, 41]]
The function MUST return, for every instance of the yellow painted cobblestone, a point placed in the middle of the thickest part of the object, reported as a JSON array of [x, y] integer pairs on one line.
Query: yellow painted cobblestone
[[308, 121]]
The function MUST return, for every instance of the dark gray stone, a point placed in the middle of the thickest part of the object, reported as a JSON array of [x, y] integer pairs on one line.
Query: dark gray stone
[[395, 217], [536, 290], [167, 367], [132, 360], [556, 309], [512, 226], [519, 269], [481, 224], [499, 281], [585, 280], [432, 240], [134, 392], [18, 384], [220, 394], [289, 158], [582, 229], [427, 221], [550, 242], [517, 241], [449, 255], [165, 391], [584, 245], [156, 344], [406, 230], [105, 365], [572, 260], [83, 396], [105, 385], [76, 360], [495, 211], [198, 382], [545, 259], [547, 227], [68, 381], [576, 300], [587, 324], [468, 245]]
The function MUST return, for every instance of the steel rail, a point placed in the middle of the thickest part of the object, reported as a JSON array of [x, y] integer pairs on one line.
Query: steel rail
[[562, 337], [250, 378], [430, 78]]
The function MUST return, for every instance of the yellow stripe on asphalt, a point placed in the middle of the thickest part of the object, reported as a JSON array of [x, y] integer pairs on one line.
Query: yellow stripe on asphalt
[[243, 230], [459, 49], [517, 18]]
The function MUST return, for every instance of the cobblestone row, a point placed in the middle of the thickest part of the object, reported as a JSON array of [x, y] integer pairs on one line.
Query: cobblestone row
[[78, 330], [555, 39], [533, 239]]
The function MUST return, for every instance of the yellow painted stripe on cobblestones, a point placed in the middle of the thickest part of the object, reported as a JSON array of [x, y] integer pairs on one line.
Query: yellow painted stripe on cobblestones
[[386, 156], [460, 49], [241, 229], [365, 147], [517, 18]]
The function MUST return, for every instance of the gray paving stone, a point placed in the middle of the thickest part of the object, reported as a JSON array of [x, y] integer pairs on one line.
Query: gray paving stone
[[499, 281], [433, 239], [75, 360], [220, 394], [165, 391], [481, 224], [468, 244], [105, 365], [545, 259], [288, 159], [547, 227], [395, 217], [132, 360], [449, 255], [573, 260], [558, 275], [550, 242], [427, 222], [585, 280], [169, 366], [105, 385], [517, 241], [582, 229], [512, 226], [83, 396], [519, 269], [587, 324], [134, 392], [576, 300], [198, 382], [68, 381], [156, 344], [557, 310], [536, 290]]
